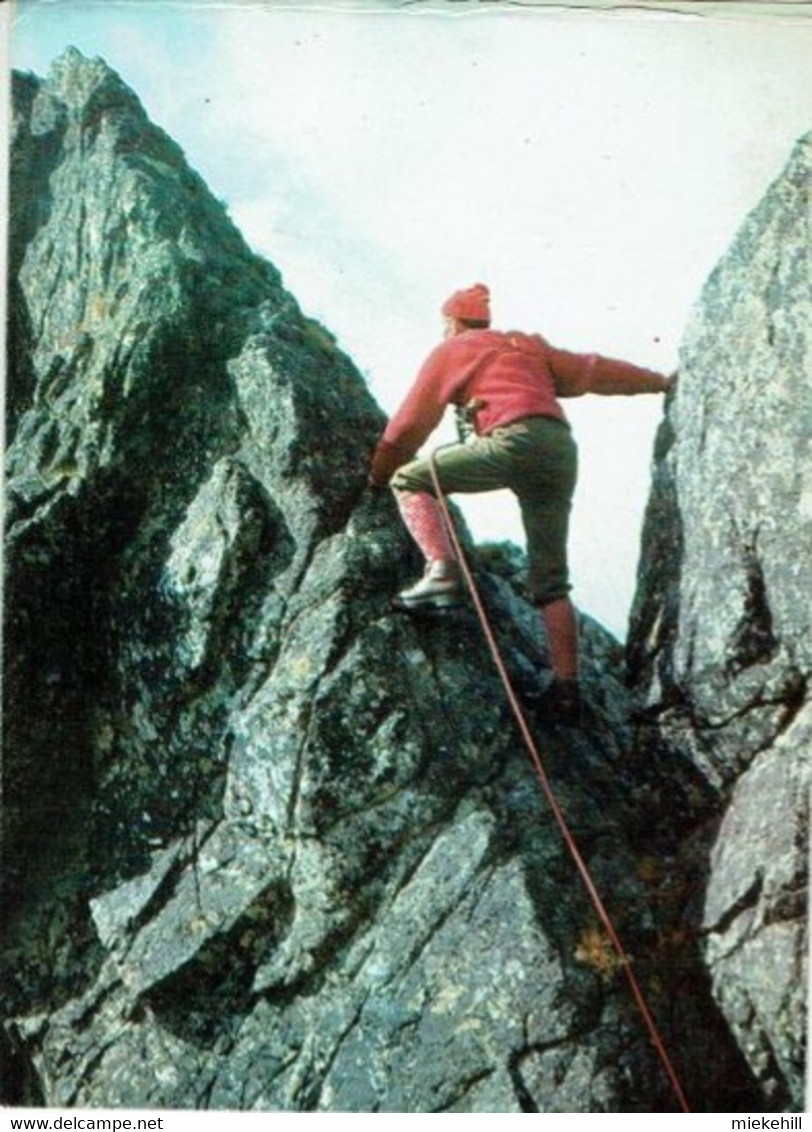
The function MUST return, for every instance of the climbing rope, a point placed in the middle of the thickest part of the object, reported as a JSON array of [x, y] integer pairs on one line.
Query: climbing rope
[[530, 743]]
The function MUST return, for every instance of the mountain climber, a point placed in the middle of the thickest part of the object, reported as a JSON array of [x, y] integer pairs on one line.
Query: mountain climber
[[508, 384]]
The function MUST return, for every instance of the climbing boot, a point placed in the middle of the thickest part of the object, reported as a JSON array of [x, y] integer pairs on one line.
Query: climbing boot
[[561, 702], [439, 588]]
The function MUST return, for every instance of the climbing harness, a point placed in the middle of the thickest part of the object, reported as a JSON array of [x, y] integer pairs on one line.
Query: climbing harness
[[530, 743]]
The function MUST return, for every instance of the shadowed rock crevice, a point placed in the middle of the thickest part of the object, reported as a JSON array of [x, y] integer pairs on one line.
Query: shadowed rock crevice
[[655, 615], [205, 1002], [724, 691], [753, 640]]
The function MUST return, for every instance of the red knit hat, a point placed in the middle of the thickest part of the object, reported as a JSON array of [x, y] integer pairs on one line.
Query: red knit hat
[[473, 303]]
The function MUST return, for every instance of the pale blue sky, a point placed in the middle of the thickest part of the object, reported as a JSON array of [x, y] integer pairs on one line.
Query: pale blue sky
[[591, 167]]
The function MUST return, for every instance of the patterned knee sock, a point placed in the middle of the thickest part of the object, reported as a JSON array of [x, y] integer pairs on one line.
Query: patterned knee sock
[[424, 521]]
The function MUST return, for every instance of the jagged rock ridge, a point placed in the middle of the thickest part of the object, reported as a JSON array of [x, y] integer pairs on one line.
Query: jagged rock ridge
[[270, 845], [720, 642]]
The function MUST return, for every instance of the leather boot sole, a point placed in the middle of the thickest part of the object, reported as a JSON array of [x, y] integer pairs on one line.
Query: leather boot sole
[[435, 601]]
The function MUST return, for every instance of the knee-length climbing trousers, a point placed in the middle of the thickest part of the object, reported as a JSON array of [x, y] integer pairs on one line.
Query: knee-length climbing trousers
[[537, 459]]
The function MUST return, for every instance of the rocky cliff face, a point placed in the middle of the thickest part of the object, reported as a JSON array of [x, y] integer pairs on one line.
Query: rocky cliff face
[[268, 844], [721, 643]]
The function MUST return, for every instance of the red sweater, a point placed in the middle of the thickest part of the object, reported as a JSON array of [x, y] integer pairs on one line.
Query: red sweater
[[514, 375]]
